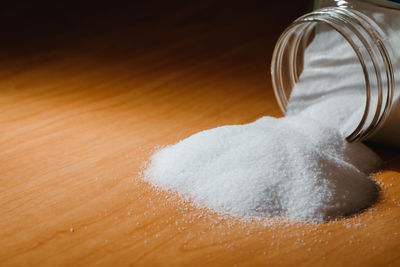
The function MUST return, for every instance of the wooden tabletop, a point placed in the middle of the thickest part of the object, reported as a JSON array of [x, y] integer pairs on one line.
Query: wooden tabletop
[[85, 99]]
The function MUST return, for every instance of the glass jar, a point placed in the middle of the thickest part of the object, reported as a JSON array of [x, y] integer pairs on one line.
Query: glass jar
[[371, 30]]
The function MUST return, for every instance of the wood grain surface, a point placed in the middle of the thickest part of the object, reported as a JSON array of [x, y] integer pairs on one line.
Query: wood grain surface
[[84, 101]]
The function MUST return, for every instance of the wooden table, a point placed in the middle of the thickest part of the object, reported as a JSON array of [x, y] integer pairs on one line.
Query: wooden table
[[83, 107]]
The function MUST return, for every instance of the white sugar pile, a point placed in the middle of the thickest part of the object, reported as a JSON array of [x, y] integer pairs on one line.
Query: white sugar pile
[[299, 166], [271, 167]]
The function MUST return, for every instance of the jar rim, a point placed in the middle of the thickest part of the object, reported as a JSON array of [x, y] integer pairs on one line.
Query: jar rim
[[366, 39]]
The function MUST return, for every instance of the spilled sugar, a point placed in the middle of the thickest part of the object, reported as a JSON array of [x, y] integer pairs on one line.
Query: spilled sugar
[[285, 167], [298, 167]]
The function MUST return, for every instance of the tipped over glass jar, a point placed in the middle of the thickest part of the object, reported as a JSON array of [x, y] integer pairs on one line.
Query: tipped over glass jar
[[344, 55]]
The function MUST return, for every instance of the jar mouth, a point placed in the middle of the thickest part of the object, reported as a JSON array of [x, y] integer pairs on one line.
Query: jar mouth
[[367, 41]]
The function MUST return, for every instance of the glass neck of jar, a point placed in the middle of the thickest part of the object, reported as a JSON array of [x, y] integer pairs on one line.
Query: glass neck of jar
[[368, 43]]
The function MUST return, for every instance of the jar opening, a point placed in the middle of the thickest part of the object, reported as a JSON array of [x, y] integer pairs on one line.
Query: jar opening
[[367, 49]]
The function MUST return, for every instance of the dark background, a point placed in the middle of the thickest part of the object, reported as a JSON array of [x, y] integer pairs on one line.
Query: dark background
[[128, 28]]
